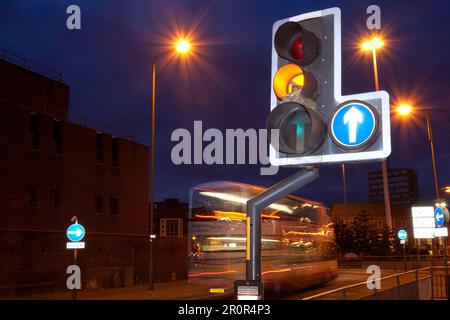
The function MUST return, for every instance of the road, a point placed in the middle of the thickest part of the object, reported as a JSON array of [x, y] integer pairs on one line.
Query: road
[[182, 290]]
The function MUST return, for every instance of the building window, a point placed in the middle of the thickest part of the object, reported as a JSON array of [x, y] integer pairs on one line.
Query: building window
[[113, 206], [171, 227], [54, 199], [31, 197], [115, 152], [57, 137], [98, 204], [35, 131], [100, 148]]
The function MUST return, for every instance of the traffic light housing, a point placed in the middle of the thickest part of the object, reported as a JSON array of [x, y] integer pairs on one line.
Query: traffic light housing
[[316, 123]]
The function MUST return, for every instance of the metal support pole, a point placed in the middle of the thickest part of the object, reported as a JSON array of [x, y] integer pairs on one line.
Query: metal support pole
[[74, 291], [430, 138], [262, 200], [404, 258], [437, 195], [345, 184], [387, 200], [152, 180], [417, 253], [447, 279]]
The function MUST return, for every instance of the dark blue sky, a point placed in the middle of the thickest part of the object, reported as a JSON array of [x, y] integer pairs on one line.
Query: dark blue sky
[[107, 65]]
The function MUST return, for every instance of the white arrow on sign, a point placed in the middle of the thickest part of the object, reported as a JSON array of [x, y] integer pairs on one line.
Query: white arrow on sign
[[78, 232], [353, 117], [439, 215]]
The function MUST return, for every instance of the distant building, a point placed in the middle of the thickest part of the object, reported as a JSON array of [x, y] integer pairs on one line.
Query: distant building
[[171, 251], [171, 217], [403, 187], [51, 170], [401, 214]]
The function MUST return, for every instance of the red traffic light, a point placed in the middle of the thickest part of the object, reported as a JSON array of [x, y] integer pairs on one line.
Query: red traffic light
[[297, 49], [294, 43]]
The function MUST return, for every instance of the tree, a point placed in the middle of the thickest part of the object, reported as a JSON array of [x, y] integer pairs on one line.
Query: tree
[[363, 234], [362, 237], [344, 236]]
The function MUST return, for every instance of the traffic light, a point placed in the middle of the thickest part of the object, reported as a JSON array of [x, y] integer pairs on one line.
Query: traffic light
[[316, 123]]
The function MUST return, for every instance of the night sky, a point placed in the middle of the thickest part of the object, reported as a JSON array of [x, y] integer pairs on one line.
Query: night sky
[[227, 84]]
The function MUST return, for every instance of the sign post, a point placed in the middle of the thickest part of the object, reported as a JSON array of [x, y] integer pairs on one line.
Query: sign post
[[75, 233], [403, 235], [441, 217]]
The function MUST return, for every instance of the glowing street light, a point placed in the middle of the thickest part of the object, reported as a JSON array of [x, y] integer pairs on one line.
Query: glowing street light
[[404, 110], [182, 46], [372, 44]]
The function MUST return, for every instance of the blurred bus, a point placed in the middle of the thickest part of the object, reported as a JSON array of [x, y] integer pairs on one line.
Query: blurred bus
[[298, 248]]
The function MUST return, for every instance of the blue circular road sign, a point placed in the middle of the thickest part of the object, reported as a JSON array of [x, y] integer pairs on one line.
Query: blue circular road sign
[[75, 232], [439, 216], [402, 235], [354, 124]]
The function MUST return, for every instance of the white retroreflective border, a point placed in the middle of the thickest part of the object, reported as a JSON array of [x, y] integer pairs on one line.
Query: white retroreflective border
[[383, 95]]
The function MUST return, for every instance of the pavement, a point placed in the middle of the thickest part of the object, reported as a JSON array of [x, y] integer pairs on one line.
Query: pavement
[[182, 290], [175, 290]]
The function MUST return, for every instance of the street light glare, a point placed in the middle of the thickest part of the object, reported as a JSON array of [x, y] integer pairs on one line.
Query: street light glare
[[404, 109], [182, 46], [371, 44]]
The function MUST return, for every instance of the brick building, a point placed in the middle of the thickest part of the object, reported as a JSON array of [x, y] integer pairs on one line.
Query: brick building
[[51, 170]]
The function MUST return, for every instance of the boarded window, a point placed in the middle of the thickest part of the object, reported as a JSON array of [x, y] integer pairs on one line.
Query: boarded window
[[100, 148], [115, 152], [35, 131]]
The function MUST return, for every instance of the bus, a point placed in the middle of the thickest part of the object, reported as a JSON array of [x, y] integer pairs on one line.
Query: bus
[[297, 239]]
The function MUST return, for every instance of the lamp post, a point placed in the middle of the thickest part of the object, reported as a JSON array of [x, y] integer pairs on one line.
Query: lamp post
[[405, 110], [182, 47], [372, 45]]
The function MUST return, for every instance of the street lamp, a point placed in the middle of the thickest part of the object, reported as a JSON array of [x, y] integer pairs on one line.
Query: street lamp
[[404, 110], [181, 46], [372, 45]]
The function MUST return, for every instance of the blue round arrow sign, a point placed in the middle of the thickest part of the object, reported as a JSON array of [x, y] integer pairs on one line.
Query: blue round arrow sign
[[75, 232], [353, 124], [402, 235], [439, 216]]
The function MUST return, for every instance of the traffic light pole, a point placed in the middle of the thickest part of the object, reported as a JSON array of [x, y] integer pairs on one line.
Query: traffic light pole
[[262, 200]]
